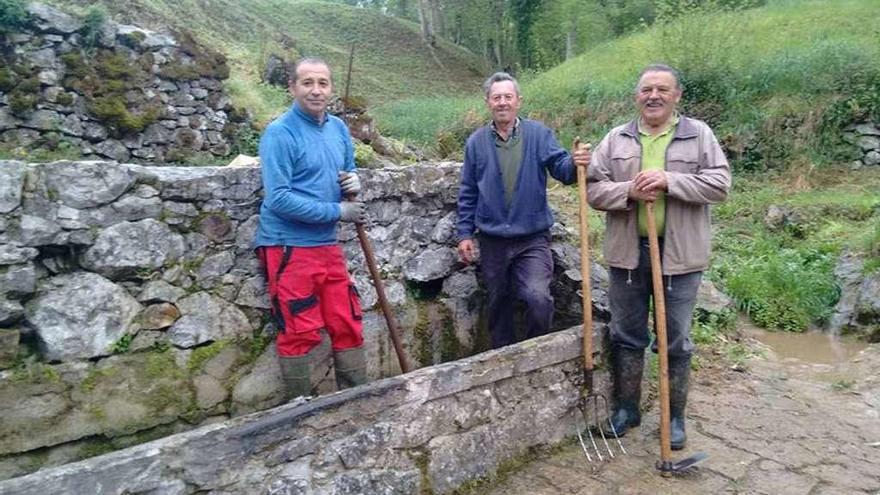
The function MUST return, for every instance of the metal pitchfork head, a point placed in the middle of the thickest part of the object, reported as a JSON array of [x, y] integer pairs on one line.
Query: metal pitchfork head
[[589, 420], [590, 403]]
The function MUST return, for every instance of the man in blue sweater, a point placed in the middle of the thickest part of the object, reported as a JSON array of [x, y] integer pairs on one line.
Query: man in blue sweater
[[307, 168], [503, 201]]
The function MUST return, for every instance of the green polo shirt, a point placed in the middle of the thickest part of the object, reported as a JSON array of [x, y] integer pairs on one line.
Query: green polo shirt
[[654, 158]]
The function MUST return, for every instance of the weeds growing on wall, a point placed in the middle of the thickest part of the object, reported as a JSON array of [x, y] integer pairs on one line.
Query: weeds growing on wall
[[13, 16]]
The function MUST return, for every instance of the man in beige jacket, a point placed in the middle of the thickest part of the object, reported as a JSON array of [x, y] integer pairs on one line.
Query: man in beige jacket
[[677, 163]]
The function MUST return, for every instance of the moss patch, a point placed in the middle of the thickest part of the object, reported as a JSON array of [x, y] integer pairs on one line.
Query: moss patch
[[162, 364], [103, 81], [202, 355]]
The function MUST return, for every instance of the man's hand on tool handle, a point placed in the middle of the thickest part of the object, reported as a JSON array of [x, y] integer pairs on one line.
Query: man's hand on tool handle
[[350, 183], [582, 153], [647, 184]]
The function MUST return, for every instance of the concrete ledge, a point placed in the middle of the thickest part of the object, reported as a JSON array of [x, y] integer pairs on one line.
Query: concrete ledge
[[428, 431]]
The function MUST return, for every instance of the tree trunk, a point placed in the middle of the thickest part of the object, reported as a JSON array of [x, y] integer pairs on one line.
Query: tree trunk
[[427, 21], [437, 16], [569, 43]]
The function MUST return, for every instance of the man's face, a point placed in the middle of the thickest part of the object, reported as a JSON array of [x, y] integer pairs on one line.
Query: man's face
[[312, 88], [503, 101], [656, 97]]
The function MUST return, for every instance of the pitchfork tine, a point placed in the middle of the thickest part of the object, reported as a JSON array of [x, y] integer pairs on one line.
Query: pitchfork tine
[[602, 430]]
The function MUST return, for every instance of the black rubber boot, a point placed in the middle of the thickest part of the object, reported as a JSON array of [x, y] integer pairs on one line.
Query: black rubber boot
[[679, 376], [351, 367], [296, 371], [627, 366]]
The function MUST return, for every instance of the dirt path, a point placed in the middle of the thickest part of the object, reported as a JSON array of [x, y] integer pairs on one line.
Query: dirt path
[[781, 426]]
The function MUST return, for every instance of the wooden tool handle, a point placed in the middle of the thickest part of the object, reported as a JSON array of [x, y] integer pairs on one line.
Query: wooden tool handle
[[586, 295], [660, 329], [390, 321]]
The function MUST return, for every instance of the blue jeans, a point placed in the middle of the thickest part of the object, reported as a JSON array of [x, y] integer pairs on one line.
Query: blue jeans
[[630, 292], [519, 268]]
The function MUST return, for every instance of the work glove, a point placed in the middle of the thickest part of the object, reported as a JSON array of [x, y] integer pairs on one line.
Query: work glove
[[353, 211], [350, 183]]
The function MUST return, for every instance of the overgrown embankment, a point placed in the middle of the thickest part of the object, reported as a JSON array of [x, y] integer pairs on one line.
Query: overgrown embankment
[[781, 86], [776, 83], [391, 59]]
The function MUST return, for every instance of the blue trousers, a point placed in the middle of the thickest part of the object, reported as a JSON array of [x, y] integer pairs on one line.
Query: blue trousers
[[630, 292], [518, 268]]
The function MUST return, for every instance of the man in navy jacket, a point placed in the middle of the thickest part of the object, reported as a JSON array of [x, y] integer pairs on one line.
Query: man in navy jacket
[[503, 201]]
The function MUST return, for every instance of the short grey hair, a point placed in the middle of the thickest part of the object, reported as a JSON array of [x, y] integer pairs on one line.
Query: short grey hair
[[307, 60], [660, 68], [499, 77]]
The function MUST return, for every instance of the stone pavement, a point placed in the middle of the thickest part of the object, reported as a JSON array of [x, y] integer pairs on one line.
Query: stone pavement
[[774, 429]]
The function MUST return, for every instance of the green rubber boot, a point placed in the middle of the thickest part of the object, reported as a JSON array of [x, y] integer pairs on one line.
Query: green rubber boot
[[627, 367], [351, 367], [679, 378], [296, 371]]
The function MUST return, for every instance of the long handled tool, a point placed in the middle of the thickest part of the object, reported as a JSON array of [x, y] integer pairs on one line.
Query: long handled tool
[[589, 401], [666, 466], [367, 247]]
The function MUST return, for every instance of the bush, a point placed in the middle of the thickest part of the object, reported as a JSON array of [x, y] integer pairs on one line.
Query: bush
[[786, 289], [22, 103], [13, 16], [7, 79], [245, 139], [93, 25]]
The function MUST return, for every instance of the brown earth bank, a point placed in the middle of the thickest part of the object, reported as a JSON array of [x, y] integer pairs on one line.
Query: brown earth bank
[[800, 415]]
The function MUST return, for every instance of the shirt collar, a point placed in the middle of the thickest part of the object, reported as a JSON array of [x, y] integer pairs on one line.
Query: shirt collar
[[513, 132], [673, 122], [309, 117]]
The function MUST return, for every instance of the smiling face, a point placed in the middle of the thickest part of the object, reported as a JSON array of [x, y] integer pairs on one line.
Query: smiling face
[[312, 88], [656, 97], [504, 102]]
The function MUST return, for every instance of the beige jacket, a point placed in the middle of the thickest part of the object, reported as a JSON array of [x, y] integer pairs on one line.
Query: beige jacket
[[698, 175]]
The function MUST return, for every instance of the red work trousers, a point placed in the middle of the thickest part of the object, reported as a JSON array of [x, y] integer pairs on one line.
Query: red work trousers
[[310, 289]]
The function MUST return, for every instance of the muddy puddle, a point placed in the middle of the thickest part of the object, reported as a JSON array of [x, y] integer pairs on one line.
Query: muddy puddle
[[822, 355]]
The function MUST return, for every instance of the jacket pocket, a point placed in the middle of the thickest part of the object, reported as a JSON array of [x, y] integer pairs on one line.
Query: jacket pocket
[[683, 160], [625, 164]]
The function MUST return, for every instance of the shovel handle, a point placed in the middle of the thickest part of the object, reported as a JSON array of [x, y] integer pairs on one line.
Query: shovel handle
[[586, 295], [390, 321], [660, 329]]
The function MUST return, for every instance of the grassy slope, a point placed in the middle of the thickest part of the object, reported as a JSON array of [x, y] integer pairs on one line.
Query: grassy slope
[[765, 79], [391, 61], [766, 53]]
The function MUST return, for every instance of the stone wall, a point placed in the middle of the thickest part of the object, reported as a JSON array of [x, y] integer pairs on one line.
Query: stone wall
[[132, 306], [122, 93], [857, 312], [430, 431], [866, 137]]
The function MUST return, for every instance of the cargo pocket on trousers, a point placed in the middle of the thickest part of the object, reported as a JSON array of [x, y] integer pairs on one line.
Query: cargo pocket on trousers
[[354, 302], [305, 312]]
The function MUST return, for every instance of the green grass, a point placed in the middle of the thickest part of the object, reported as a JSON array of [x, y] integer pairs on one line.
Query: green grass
[[783, 278], [390, 63], [769, 80]]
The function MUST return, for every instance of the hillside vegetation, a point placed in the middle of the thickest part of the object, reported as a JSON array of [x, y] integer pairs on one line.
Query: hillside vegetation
[[778, 84], [391, 60], [770, 80]]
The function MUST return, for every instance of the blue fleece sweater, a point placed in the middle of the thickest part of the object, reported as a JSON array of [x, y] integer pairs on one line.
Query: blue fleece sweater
[[301, 160], [481, 202]]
